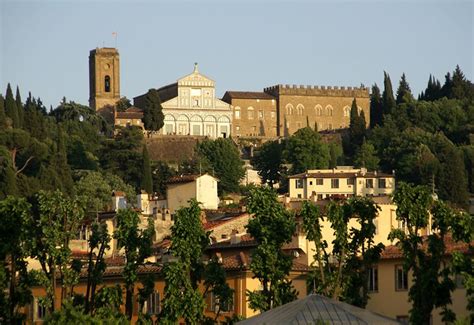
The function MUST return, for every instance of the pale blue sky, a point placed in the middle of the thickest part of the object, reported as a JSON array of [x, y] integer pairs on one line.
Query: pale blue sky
[[242, 45]]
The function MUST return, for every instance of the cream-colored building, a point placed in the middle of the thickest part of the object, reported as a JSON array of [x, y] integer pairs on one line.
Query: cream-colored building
[[202, 188], [131, 117], [340, 182], [190, 107], [389, 285]]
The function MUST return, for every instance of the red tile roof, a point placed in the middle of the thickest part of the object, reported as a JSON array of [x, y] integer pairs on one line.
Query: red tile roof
[[248, 95], [393, 252], [341, 175], [215, 223]]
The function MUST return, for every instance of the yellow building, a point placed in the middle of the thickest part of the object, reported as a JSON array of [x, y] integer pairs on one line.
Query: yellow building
[[389, 286], [104, 77], [340, 182], [131, 117]]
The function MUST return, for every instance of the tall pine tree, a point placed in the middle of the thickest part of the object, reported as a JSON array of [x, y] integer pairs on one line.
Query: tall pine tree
[[19, 107], [2, 112], [376, 109], [11, 108], [147, 183], [404, 95], [388, 101], [460, 86]]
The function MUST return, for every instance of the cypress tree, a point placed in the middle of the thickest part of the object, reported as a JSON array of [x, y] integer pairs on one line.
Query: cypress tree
[[147, 183], [376, 109], [404, 95], [19, 107], [447, 89], [10, 107], [152, 111], [388, 102], [433, 90], [61, 166], [357, 130], [2, 112]]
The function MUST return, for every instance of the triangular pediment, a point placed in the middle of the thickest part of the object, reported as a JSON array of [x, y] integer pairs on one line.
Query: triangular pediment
[[196, 79]]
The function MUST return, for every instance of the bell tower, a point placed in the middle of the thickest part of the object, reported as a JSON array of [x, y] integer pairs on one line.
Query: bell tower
[[104, 77]]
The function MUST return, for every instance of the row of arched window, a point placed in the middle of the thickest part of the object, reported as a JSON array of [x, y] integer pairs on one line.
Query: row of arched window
[[318, 110]]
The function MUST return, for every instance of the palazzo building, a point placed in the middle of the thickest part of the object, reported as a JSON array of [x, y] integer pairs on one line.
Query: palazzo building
[[281, 110], [190, 107]]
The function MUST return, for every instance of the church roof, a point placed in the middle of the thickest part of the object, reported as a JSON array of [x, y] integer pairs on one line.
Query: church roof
[[315, 308], [247, 95]]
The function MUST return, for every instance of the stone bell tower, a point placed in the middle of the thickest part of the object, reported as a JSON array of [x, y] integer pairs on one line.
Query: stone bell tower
[[104, 77]]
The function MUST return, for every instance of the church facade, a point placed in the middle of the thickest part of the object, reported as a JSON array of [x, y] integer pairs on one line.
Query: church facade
[[190, 107]]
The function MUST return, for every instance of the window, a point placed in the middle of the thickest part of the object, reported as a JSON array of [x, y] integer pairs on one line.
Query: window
[[81, 233], [373, 279], [401, 278], [319, 181], [369, 183], [347, 111], [107, 84], [250, 113], [214, 304], [299, 196], [237, 114], [237, 128], [382, 183], [335, 183], [195, 102], [298, 183], [39, 310], [376, 224], [320, 197], [350, 181], [153, 303], [401, 225], [272, 115], [260, 115], [310, 182]]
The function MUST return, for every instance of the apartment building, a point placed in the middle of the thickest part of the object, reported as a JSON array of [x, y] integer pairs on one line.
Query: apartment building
[[339, 182]]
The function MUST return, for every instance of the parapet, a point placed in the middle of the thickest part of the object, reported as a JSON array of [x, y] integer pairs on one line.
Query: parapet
[[308, 90]]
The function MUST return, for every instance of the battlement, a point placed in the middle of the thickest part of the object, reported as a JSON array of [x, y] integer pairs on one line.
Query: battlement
[[308, 90]]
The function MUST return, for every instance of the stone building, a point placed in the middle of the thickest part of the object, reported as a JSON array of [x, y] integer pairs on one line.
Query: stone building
[[281, 110], [131, 117], [190, 107], [104, 77]]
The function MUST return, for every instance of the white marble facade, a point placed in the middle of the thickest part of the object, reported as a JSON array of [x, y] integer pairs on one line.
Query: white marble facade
[[196, 110]]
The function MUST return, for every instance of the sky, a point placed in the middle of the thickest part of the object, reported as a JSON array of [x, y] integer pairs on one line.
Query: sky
[[242, 45]]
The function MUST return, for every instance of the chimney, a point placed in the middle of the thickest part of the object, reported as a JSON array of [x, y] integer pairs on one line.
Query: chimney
[[235, 237]]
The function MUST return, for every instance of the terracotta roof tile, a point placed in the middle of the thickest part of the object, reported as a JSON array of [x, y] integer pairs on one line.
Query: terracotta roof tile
[[393, 252], [248, 95]]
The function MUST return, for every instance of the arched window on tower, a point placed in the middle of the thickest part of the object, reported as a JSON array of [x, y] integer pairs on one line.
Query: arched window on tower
[[107, 84]]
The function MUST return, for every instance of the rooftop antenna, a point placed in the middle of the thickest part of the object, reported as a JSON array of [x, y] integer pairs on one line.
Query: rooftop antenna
[[114, 35]]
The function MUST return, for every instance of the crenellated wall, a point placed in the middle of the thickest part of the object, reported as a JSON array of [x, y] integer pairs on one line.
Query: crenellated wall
[[323, 91]]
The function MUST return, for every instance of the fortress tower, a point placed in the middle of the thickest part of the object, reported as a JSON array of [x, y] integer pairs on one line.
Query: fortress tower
[[104, 77]]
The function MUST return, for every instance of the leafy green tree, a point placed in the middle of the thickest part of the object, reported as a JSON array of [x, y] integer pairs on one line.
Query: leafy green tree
[[123, 104], [366, 156], [122, 157], [98, 244], [224, 159], [51, 226], [147, 182], [268, 161], [272, 227], [305, 150], [60, 164], [14, 279], [376, 107], [8, 183], [182, 298], [354, 251], [152, 111], [388, 101], [11, 108], [137, 245], [19, 107], [404, 95], [161, 174], [425, 256]]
